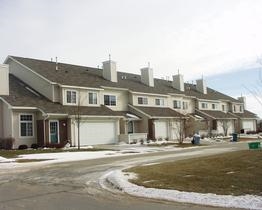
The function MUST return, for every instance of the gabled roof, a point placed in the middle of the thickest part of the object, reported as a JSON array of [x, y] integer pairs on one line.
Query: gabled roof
[[73, 75], [161, 112], [21, 95], [246, 115], [215, 114]]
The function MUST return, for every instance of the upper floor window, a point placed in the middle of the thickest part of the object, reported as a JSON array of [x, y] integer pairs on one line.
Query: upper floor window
[[159, 101], [185, 105], [71, 96], [223, 108], [177, 104], [234, 108], [92, 98], [240, 109], [26, 125], [110, 100], [142, 100], [204, 105], [214, 106]]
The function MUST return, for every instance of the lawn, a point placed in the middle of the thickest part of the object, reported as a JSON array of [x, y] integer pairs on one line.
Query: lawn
[[235, 173], [16, 153]]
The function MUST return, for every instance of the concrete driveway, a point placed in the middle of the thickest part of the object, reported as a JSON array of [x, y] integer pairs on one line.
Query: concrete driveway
[[75, 185]]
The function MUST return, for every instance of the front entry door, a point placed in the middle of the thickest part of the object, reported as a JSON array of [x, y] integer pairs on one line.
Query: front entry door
[[54, 131]]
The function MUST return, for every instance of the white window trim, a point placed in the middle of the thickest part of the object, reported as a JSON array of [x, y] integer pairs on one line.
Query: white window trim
[[178, 103], [109, 95], [58, 136], [160, 99], [66, 103], [33, 126], [143, 97], [96, 98], [185, 105], [206, 107]]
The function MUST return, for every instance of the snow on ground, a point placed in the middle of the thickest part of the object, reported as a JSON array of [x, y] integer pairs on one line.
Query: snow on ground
[[120, 181], [77, 156]]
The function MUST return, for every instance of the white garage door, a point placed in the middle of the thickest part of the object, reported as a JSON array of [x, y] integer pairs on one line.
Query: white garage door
[[248, 125], [92, 133], [160, 129]]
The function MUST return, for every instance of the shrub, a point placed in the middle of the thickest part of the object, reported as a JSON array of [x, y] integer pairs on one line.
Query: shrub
[[251, 132], [7, 143], [34, 146], [22, 146]]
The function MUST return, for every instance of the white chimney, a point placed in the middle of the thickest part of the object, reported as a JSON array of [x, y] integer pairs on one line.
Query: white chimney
[[147, 76], [242, 99], [178, 82], [201, 86], [109, 70], [4, 79]]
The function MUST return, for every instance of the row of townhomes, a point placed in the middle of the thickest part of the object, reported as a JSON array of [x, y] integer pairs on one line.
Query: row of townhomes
[[46, 102]]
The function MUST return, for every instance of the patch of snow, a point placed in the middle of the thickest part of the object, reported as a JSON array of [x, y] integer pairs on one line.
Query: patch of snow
[[120, 181]]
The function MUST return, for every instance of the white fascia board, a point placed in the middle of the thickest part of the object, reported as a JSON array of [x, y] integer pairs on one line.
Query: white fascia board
[[226, 118], [95, 116], [24, 107], [208, 100], [9, 105], [149, 94], [114, 88], [177, 94], [165, 117], [79, 87], [138, 110], [39, 75], [56, 114]]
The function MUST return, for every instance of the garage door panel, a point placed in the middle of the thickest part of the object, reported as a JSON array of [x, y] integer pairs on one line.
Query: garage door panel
[[92, 133], [161, 129]]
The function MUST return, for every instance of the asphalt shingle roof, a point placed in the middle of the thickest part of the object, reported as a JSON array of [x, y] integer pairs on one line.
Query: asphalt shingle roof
[[246, 114], [159, 111], [215, 114], [68, 74]]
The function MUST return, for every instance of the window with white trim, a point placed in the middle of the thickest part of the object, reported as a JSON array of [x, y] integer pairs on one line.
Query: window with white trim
[[223, 108], [92, 98], [177, 104], [142, 100], [240, 108], [214, 106], [185, 105], [26, 125], [110, 100], [159, 101], [204, 105], [71, 97]]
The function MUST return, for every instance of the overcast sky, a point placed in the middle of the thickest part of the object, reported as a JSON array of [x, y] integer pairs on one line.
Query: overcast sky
[[199, 37]]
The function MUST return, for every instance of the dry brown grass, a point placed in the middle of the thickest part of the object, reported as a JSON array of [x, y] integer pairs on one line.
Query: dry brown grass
[[236, 173]]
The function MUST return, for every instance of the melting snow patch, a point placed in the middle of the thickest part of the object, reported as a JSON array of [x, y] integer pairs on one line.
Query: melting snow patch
[[120, 181]]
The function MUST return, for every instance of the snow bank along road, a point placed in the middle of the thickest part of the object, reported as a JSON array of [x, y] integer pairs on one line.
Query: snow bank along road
[[77, 185]]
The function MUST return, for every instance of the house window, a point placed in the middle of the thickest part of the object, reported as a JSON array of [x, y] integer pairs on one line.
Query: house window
[[223, 108], [110, 100], [177, 104], [26, 125], [92, 98], [185, 105], [240, 109], [142, 100], [71, 97], [234, 108], [214, 106], [159, 101], [204, 105]]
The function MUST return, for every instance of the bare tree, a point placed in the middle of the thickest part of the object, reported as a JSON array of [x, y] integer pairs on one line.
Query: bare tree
[[225, 124]]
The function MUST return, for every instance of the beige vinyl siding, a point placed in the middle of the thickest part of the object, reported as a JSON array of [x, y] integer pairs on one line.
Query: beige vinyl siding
[[7, 121], [33, 80], [16, 126], [121, 99]]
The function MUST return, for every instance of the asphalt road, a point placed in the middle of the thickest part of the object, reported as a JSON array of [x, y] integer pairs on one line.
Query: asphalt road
[[75, 185]]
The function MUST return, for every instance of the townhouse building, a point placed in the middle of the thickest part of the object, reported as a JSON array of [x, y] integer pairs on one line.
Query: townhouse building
[[47, 102]]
